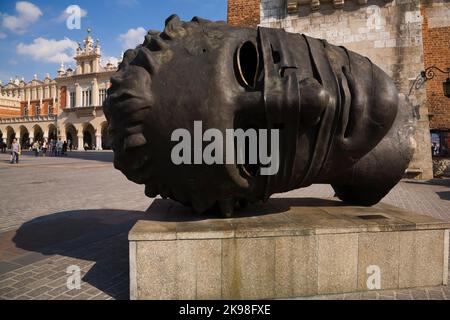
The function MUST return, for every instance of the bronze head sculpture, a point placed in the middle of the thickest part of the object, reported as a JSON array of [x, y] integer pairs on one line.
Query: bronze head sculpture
[[340, 118]]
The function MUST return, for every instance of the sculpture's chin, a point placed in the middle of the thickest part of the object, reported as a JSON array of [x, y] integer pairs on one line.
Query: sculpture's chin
[[135, 165]]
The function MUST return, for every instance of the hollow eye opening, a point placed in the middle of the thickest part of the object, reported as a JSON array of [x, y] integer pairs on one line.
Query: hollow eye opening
[[248, 64]]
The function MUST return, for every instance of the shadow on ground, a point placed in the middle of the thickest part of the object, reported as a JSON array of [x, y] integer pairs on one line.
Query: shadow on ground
[[433, 182], [94, 235], [101, 235], [444, 195], [103, 156]]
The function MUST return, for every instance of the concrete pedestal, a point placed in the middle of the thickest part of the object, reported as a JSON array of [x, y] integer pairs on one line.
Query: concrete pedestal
[[293, 248]]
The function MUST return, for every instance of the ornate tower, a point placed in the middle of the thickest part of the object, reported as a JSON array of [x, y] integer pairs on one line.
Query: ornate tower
[[88, 56]]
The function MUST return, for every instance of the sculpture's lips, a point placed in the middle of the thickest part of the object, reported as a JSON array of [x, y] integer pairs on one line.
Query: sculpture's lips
[[131, 157], [129, 144]]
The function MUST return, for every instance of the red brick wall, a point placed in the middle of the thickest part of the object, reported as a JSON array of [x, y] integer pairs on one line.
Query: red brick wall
[[436, 50], [32, 107], [243, 13], [8, 113]]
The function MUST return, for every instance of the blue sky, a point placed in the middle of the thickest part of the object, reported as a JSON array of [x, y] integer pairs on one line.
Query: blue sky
[[34, 37]]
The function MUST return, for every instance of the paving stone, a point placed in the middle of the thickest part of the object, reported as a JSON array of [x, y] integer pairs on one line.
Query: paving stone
[[7, 283], [57, 291], [23, 276], [352, 296], [43, 297], [401, 296], [5, 290], [82, 296], [381, 297], [369, 296], [104, 259], [38, 291]]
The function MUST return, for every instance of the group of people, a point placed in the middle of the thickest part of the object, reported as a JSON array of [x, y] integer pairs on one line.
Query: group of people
[[56, 148]]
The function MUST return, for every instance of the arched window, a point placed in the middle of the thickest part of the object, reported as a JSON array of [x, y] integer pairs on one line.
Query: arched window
[[25, 111], [38, 110], [50, 109]]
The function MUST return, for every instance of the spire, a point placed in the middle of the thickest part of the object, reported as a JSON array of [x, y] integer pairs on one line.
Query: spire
[[88, 42]]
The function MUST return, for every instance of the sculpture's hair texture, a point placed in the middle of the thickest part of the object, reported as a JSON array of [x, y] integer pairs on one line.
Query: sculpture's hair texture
[[158, 43]]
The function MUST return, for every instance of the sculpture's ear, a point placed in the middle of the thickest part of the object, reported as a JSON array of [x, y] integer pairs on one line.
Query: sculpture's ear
[[247, 64]]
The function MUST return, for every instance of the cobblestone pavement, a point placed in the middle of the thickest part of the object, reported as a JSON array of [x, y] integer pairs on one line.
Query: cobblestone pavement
[[77, 211]]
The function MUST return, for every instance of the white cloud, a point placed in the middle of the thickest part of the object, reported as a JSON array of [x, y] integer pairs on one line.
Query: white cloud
[[132, 38], [64, 15], [27, 14], [113, 60], [2, 35], [49, 50]]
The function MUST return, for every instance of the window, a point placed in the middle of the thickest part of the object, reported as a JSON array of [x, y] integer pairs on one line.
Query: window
[[102, 94], [38, 110], [440, 143], [87, 98], [25, 111], [50, 109], [72, 98]]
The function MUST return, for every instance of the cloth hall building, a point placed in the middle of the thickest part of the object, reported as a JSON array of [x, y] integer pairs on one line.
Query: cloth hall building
[[69, 106]]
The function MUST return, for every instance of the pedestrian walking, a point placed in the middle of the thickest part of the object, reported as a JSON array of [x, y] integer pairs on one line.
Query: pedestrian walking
[[64, 148], [53, 146], [44, 148], [59, 146], [36, 148], [15, 149]]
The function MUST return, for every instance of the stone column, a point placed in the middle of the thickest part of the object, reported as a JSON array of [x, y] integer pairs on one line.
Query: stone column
[[67, 97], [79, 68], [95, 93], [78, 103], [95, 67], [80, 141], [98, 141], [53, 92]]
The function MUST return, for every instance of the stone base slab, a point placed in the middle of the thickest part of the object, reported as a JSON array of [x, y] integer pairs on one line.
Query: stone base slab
[[293, 248]]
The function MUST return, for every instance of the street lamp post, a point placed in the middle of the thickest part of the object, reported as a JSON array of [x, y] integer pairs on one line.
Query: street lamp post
[[428, 74]]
